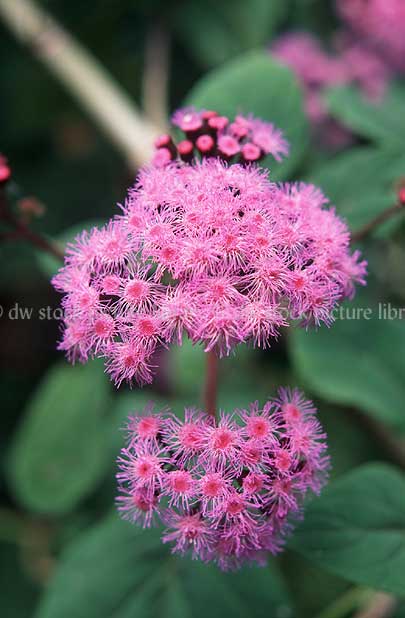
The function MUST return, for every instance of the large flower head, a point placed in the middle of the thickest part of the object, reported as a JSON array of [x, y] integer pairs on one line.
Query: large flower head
[[217, 501], [209, 249]]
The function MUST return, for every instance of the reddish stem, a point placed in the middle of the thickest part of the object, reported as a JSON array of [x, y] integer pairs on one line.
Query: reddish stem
[[20, 231], [377, 221], [211, 383], [25, 233]]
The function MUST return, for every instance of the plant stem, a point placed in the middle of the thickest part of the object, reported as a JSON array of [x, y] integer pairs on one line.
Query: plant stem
[[83, 77], [156, 76], [350, 601], [211, 383], [377, 221], [380, 605], [21, 231], [25, 233]]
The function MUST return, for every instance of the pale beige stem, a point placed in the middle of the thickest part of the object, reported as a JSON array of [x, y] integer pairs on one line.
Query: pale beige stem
[[156, 75], [83, 77], [380, 605]]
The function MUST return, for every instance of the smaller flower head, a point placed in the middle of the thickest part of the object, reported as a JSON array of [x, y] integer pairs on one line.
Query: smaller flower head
[[227, 490]]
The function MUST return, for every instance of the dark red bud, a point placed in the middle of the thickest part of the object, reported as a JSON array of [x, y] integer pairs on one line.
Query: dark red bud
[[238, 130], [30, 206], [251, 152], [5, 171], [185, 149], [218, 122], [163, 141], [205, 144], [208, 113]]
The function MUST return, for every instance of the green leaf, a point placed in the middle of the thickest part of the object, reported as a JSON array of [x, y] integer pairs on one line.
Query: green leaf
[[59, 452], [400, 613], [19, 593], [361, 183], [255, 83], [312, 588], [118, 570], [50, 264], [383, 121], [359, 361], [349, 445], [219, 30], [357, 528]]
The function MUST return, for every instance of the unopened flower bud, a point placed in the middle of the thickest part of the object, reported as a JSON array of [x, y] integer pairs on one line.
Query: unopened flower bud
[[218, 123], [5, 171], [185, 150], [165, 141], [205, 144], [251, 152], [30, 207]]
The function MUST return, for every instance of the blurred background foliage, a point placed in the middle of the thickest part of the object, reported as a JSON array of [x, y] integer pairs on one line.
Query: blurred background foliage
[[63, 552]]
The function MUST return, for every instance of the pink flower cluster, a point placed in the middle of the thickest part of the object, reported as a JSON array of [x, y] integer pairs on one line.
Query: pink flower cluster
[[212, 251], [352, 62], [229, 490], [207, 134], [381, 23]]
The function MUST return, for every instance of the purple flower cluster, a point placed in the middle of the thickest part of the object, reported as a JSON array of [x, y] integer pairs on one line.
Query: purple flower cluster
[[209, 250], [227, 490], [353, 61], [381, 24]]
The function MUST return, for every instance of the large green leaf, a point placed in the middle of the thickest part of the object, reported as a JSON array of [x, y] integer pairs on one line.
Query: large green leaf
[[359, 361], [119, 570], [219, 30], [383, 121], [357, 528], [349, 446], [361, 183], [256, 83], [400, 613], [59, 452], [19, 593], [312, 588]]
